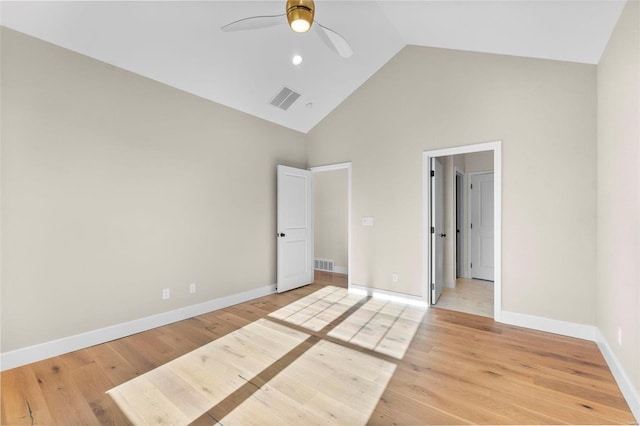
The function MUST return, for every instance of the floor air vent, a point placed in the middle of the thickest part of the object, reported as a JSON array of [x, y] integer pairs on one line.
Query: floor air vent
[[284, 98], [324, 265]]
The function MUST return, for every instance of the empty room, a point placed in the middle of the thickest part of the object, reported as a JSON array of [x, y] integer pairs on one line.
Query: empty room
[[329, 212]]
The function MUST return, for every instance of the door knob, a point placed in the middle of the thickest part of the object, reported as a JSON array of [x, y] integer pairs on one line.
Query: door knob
[[443, 235], [281, 234]]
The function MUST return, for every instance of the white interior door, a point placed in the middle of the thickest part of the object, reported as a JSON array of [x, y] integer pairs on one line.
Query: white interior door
[[437, 230], [295, 228], [459, 225], [482, 226]]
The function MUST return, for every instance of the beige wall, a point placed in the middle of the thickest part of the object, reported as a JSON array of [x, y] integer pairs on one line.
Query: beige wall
[[618, 295], [478, 162], [330, 192], [115, 186], [545, 114]]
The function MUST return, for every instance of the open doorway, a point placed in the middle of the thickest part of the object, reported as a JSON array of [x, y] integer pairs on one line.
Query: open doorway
[[331, 201], [462, 199]]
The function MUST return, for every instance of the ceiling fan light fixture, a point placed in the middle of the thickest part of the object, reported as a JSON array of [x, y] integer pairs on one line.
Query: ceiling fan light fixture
[[300, 26], [300, 15]]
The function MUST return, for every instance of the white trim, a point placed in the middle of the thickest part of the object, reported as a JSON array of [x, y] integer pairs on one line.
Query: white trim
[[625, 384], [336, 270], [496, 147], [426, 229], [497, 211], [564, 328], [344, 270], [340, 166], [388, 295], [330, 167], [57, 347]]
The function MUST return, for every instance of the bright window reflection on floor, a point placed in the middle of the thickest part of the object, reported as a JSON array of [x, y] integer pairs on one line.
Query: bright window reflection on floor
[[318, 309], [328, 384], [325, 382], [382, 326], [182, 390]]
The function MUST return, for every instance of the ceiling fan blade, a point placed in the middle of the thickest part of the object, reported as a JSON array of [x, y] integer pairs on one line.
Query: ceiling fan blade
[[255, 22], [335, 41]]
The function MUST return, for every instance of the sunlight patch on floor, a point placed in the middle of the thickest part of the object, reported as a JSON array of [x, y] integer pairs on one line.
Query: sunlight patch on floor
[[182, 390], [382, 326], [328, 384], [318, 309]]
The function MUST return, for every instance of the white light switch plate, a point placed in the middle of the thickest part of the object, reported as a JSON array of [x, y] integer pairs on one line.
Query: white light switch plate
[[367, 221]]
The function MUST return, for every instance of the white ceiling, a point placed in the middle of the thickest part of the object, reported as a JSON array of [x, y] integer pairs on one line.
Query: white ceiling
[[180, 43]]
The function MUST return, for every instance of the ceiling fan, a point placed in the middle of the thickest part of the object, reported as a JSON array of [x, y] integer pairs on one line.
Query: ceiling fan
[[299, 14]]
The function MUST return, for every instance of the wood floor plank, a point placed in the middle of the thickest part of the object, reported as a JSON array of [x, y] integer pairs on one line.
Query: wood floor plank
[[22, 400], [112, 363], [325, 391], [399, 409], [200, 379], [457, 369], [451, 373], [65, 402], [91, 380]]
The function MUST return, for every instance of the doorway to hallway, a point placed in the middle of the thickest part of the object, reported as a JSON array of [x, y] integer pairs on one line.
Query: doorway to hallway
[[462, 221]]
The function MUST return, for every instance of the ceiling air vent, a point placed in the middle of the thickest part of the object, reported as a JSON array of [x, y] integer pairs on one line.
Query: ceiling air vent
[[284, 98]]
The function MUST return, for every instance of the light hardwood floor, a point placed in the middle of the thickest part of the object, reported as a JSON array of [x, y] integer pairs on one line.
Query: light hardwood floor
[[458, 369], [470, 296]]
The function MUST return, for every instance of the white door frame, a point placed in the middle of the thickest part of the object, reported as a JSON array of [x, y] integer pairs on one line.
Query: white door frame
[[340, 166], [496, 147]]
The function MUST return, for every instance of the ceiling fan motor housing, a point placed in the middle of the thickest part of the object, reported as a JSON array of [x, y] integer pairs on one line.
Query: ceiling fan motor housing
[[300, 10]]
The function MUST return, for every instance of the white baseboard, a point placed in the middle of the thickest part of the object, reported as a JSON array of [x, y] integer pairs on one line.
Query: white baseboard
[[388, 295], [570, 329], [341, 270], [625, 384], [450, 285], [57, 347], [336, 270]]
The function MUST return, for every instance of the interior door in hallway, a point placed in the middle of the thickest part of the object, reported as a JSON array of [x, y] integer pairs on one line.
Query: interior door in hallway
[[295, 228], [437, 230], [482, 242]]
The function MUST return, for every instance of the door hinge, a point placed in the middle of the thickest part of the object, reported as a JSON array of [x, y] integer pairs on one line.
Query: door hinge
[[433, 286], [472, 264], [433, 173], [433, 230], [471, 186], [472, 226]]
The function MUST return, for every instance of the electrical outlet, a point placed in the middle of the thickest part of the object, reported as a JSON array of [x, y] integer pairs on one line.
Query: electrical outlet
[[192, 288], [394, 277], [619, 336], [166, 293]]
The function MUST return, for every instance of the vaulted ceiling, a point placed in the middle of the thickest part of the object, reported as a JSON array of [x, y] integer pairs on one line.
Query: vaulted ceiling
[[180, 43]]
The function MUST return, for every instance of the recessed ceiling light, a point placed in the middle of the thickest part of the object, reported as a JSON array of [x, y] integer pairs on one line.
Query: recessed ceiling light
[[309, 105], [296, 60]]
